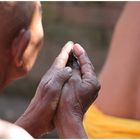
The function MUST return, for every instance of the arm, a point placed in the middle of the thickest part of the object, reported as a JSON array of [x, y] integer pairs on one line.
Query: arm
[[8, 131], [68, 125], [122, 64]]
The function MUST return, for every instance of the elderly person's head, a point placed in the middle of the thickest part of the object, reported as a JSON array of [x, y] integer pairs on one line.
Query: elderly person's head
[[21, 35]]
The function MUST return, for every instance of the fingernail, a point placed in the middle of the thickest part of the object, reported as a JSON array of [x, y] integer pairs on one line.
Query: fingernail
[[69, 70], [69, 43]]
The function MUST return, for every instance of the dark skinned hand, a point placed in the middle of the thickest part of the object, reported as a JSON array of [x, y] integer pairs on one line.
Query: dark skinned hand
[[77, 95]]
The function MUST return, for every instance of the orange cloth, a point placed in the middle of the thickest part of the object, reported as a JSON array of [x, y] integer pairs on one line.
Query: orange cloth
[[100, 125]]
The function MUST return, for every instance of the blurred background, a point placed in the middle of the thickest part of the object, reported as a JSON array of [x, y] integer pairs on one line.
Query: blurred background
[[89, 23]]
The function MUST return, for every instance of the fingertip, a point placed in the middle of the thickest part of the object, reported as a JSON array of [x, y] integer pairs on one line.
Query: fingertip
[[68, 47], [78, 49], [69, 44], [68, 69], [77, 44], [61, 60]]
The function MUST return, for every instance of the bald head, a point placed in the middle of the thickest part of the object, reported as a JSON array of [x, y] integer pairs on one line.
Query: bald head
[[13, 17], [19, 48]]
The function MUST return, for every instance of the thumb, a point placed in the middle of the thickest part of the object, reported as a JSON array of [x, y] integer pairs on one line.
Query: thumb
[[63, 75]]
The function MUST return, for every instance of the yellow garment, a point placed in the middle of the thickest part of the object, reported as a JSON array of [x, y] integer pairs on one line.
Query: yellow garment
[[99, 125]]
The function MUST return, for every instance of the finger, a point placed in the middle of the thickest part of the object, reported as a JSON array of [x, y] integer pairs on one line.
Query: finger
[[62, 58], [87, 69], [62, 76], [76, 76], [55, 84]]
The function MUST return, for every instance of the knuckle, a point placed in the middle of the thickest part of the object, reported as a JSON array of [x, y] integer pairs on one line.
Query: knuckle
[[98, 86], [52, 82], [95, 84], [52, 87], [48, 86], [60, 77], [42, 84]]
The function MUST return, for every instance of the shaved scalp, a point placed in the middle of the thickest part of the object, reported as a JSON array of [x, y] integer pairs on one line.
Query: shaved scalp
[[14, 16]]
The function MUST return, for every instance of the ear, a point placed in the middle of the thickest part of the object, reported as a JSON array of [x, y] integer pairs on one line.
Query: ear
[[19, 46]]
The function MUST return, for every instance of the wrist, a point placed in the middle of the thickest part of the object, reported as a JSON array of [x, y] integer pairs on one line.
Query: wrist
[[32, 121], [69, 124]]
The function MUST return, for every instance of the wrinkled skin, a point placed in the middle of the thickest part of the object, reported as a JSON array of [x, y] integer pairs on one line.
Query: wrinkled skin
[[63, 94], [77, 95]]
